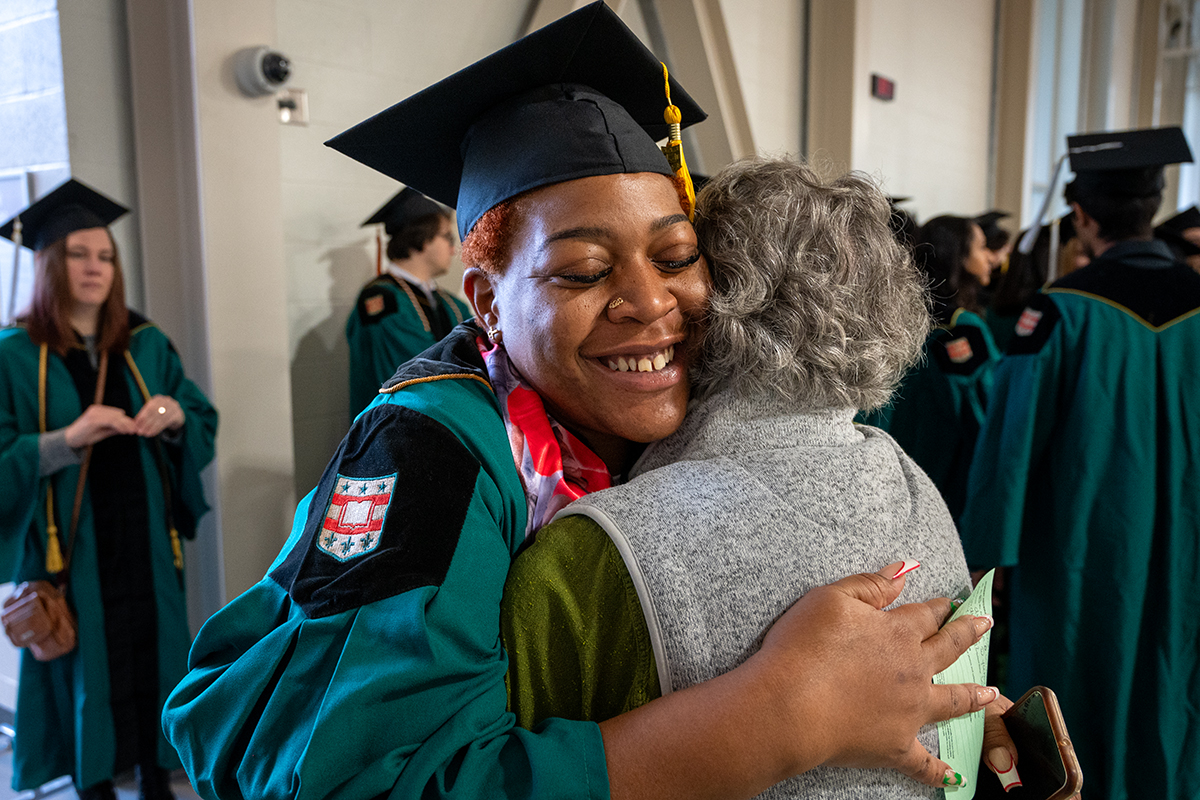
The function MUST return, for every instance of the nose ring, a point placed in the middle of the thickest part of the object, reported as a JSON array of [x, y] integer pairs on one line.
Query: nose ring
[[616, 303]]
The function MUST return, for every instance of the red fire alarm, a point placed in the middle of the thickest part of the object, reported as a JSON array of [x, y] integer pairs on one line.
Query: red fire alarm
[[882, 88]]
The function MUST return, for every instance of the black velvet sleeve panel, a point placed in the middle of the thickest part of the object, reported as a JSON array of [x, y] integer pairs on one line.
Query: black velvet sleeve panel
[[375, 303], [386, 516], [1155, 296], [960, 350], [1034, 326]]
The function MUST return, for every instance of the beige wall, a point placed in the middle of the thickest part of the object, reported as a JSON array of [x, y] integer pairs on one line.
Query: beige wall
[[767, 39], [932, 141]]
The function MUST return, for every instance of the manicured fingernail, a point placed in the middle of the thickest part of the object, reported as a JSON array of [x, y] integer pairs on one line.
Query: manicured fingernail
[[986, 694], [991, 621], [1009, 778], [953, 779], [905, 568]]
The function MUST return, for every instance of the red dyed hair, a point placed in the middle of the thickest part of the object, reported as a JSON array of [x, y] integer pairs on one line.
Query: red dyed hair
[[48, 319], [486, 245]]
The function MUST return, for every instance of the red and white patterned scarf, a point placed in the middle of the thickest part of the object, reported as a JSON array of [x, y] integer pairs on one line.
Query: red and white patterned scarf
[[555, 466]]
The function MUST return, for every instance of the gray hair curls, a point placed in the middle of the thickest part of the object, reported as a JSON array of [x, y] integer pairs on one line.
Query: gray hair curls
[[813, 299]]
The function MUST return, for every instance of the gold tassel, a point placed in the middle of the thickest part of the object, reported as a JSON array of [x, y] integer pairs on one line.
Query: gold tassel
[[54, 559], [673, 149], [176, 548]]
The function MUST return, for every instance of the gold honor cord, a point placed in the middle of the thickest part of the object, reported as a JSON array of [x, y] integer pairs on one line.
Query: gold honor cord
[[413, 299], [176, 546], [673, 149], [54, 559], [458, 317]]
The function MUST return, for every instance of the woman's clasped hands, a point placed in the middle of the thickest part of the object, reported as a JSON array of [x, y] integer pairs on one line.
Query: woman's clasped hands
[[98, 422]]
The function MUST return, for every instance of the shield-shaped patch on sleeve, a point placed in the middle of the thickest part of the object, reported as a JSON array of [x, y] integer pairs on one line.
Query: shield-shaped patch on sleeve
[[386, 516]]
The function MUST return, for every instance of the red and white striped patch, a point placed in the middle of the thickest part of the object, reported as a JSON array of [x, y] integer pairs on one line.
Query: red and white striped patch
[[354, 518], [959, 350], [1028, 322]]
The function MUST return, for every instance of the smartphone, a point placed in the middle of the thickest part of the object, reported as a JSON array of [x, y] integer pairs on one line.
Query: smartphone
[[1045, 758]]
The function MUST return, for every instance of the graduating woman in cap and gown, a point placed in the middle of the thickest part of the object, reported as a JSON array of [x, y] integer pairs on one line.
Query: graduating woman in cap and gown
[[402, 311], [367, 663], [1085, 481], [144, 436], [936, 413]]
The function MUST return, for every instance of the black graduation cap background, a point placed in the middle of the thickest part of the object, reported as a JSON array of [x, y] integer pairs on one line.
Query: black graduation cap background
[[1125, 163], [420, 140], [1171, 231], [989, 221], [404, 207], [69, 207], [988, 218]]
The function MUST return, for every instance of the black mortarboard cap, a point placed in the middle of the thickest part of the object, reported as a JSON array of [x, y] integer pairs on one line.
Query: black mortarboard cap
[[72, 206], [895, 201], [404, 207], [1124, 163], [1171, 231], [996, 236], [579, 97]]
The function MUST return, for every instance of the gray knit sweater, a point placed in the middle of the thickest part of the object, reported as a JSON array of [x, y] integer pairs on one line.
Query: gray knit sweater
[[765, 504]]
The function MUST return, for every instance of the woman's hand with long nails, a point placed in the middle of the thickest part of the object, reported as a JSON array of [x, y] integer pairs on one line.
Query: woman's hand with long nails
[[97, 423], [160, 413], [999, 752], [863, 676]]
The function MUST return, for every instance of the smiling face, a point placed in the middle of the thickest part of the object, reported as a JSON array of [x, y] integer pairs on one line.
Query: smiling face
[[613, 375], [90, 268]]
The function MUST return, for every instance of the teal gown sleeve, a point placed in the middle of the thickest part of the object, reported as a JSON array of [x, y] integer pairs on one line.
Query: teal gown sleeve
[[937, 412], [1024, 399], [163, 372], [24, 496], [383, 331], [368, 662]]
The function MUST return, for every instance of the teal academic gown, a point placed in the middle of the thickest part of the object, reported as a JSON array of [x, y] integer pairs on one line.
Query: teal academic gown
[[936, 413], [63, 720], [1086, 479], [392, 321], [367, 662]]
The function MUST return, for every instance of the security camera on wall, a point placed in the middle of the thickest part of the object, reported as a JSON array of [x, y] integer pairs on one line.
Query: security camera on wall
[[260, 71]]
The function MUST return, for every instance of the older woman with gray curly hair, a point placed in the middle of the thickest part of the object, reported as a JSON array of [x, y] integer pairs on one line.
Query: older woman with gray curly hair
[[768, 490]]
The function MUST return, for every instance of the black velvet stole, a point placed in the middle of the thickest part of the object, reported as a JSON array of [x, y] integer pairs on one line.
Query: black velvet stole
[[117, 487]]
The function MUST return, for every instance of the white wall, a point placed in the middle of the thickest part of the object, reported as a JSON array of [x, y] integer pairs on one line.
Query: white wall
[[931, 142]]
